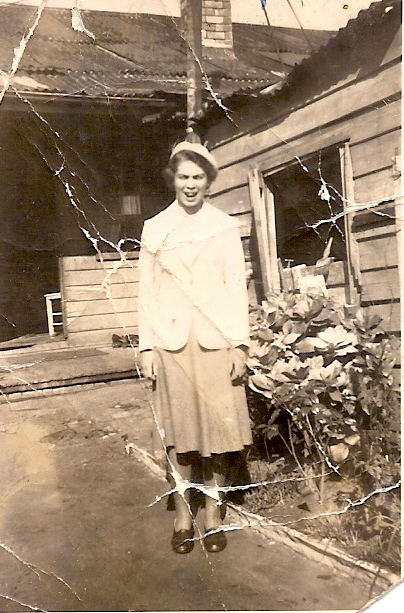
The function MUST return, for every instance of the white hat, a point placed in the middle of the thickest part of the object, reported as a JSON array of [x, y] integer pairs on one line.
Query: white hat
[[196, 148]]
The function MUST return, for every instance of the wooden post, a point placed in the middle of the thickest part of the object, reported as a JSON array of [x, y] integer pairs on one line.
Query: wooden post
[[262, 205], [274, 277], [62, 295], [398, 206], [348, 193], [260, 226], [193, 35]]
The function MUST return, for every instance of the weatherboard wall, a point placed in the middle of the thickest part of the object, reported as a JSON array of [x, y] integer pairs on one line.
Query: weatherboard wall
[[357, 102]]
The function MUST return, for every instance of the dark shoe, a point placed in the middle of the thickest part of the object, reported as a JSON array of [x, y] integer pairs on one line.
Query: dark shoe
[[182, 541], [215, 541]]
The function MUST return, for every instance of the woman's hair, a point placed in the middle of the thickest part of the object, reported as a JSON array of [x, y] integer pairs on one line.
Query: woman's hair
[[189, 156]]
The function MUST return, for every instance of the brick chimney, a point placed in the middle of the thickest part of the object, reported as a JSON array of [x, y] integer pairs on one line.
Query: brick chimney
[[217, 30]]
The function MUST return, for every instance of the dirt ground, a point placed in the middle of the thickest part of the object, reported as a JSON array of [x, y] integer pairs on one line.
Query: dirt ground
[[81, 528]]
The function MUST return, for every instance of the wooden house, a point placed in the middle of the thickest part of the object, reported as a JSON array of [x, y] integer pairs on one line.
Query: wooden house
[[319, 157], [86, 126]]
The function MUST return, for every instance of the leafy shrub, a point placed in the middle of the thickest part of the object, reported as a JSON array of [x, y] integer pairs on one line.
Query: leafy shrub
[[325, 373]]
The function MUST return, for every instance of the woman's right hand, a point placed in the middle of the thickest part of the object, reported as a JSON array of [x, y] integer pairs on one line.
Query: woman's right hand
[[148, 364]]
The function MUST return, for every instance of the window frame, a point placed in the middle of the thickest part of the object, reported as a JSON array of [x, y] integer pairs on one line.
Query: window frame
[[263, 209]]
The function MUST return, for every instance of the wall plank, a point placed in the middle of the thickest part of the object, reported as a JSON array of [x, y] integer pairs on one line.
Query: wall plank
[[101, 322], [99, 277], [100, 307], [387, 228], [378, 253], [380, 285], [90, 262], [375, 121], [234, 201], [374, 188], [117, 290], [375, 153]]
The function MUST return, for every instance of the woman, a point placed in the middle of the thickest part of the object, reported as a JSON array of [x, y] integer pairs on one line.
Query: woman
[[193, 335]]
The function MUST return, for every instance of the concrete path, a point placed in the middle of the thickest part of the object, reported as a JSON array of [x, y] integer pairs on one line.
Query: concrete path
[[80, 529]]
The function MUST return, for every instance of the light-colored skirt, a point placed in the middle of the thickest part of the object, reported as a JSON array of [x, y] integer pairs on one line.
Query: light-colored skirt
[[196, 405]]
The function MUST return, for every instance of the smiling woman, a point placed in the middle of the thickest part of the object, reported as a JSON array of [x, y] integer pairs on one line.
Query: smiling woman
[[193, 336]]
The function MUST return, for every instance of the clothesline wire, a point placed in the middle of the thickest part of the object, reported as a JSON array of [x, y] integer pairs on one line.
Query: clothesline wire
[[300, 25], [274, 38]]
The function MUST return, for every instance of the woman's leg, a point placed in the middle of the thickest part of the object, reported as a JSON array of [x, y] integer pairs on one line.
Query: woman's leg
[[215, 470], [181, 464]]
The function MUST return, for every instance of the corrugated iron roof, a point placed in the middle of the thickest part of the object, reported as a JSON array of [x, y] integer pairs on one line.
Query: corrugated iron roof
[[135, 55], [345, 39]]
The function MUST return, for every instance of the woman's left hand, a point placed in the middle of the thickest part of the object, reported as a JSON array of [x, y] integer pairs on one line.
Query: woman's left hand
[[238, 357]]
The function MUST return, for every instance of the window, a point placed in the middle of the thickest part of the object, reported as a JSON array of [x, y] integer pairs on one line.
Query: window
[[131, 204], [307, 203]]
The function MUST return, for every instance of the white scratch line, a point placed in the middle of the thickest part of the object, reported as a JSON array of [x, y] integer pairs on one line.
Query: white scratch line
[[35, 570], [77, 20], [19, 52], [23, 604]]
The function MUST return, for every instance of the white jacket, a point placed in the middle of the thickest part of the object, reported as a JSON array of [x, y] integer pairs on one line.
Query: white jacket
[[192, 273]]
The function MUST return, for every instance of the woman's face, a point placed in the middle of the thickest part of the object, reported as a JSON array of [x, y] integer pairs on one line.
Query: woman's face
[[191, 183]]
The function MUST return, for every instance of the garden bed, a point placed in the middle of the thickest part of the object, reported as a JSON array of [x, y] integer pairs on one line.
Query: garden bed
[[340, 521]]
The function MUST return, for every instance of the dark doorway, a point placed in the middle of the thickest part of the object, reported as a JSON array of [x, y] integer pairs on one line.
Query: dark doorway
[[28, 257]]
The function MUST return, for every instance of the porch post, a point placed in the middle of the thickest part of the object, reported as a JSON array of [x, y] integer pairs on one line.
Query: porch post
[[192, 15]]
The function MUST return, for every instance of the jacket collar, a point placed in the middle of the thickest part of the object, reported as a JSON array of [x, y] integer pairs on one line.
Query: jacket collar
[[161, 227]]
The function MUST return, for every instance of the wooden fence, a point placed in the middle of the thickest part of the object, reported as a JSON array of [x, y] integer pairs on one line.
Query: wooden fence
[[99, 298]]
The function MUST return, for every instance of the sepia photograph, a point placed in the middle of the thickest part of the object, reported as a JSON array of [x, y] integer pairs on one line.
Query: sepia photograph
[[200, 316]]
